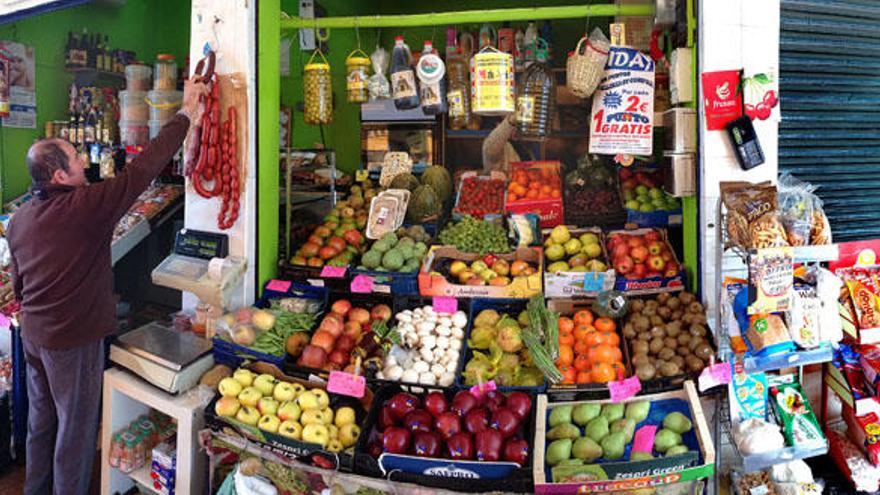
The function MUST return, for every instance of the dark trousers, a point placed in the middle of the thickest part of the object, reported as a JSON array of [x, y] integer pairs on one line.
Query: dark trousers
[[64, 393]]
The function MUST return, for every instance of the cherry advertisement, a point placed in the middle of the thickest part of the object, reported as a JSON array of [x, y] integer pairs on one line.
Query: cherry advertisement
[[722, 102], [623, 105]]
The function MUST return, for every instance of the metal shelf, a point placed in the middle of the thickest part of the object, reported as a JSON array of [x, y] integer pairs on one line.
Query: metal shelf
[[822, 354]]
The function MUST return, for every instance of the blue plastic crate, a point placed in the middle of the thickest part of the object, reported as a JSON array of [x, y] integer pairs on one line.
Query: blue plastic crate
[[397, 283], [661, 218], [502, 306]]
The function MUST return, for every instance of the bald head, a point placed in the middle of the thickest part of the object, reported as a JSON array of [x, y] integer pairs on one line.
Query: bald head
[[53, 161]]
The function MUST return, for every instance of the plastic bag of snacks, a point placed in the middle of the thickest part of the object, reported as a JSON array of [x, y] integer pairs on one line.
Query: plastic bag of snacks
[[796, 209], [753, 219], [752, 483], [380, 88], [820, 233]]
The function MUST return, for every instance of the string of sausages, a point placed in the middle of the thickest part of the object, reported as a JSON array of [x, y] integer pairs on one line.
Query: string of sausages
[[212, 157]]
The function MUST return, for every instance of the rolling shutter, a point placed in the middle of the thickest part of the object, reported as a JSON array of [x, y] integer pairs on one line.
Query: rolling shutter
[[829, 53]]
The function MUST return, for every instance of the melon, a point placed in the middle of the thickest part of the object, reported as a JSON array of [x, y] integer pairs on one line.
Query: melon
[[438, 178], [424, 203], [404, 181]]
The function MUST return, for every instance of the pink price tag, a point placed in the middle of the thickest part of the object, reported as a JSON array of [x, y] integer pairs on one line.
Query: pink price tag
[[624, 389], [332, 271], [643, 441], [445, 304], [346, 384], [362, 284], [478, 391], [714, 376], [5, 322], [278, 285]]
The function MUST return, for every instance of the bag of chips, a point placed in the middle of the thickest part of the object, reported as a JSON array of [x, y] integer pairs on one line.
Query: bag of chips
[[753, 219]]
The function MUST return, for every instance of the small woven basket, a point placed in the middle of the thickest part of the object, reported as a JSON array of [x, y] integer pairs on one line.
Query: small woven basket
[[584, 70]]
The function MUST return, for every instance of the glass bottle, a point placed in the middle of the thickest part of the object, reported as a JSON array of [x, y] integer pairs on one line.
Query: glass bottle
[[403, 78]]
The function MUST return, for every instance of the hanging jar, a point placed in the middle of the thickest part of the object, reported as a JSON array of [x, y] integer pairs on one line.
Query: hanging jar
[[357, 64], [318, 92], [535, 103], [493, 87]]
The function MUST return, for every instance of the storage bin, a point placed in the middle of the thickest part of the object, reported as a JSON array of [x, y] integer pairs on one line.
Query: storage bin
[[133, 107], [164, 104], [133, 133], [165, 75], [138, 77]]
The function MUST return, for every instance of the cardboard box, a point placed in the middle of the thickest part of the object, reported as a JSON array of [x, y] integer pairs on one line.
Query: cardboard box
[[652, 285], [493, 176], [623, 475], [551, 210], [437, 285], [572, 284], [864, 431]]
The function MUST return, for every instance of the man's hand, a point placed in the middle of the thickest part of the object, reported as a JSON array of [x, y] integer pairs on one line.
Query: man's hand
[[192, 93]]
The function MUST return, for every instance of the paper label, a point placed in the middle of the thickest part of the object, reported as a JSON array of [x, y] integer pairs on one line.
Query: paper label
[[403, 84], [346, 384], [643, 440], [594, 282], [624, 389], [445, 304], [430, 95], [333, 271], [722, 100], [715, 375], [479, 390], [278, 285], [455, 103], [361, 175], [362, 284], [525, 109]]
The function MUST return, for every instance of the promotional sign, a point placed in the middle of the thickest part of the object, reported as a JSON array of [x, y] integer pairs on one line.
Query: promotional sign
[[761, 95], [22, 92], [721, 98], [623, 105]]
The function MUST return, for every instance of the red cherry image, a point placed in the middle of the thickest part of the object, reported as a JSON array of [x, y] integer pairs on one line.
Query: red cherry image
[[770, 99], [762, 110], [750, 111]]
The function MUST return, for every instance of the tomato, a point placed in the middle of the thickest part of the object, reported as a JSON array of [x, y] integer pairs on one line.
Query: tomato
[[582, 362], [583, 377], [569, 375]]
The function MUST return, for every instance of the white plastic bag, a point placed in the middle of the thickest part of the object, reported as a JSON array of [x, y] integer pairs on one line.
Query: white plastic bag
[[380, 88]]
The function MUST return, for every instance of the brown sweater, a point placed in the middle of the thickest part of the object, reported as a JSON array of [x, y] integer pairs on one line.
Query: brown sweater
[[60, 244]]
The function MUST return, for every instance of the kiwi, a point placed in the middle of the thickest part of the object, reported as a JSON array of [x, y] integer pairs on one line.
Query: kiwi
[[646, 372], [673, 328], [658, 331], [677, 315], [697, 330], [704, 351], [640, 359], [639, 347], [641, 323], [694, 364], [636, 305], [649, 310], [664, 312], [678, 360], [663, 297], [669, 369], [682, 350], [695, 308], [646, 336], [666, 354], [652, 304], [673, 303], [670, 343], [684, 339], [629, 331], [655, 345], [695, 342], [657, 321]]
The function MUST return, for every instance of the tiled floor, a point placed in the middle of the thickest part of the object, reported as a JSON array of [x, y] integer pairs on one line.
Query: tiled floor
[[12, 480]]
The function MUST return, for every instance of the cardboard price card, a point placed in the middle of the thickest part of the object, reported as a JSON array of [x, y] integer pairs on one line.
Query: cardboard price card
[[623, 105]]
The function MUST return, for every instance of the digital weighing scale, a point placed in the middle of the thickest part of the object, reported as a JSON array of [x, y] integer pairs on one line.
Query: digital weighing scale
[[173, 361]]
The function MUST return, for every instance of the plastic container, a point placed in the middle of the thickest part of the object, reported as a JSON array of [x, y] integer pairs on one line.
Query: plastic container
[[403, 78], [137, 77], [155, 127], [164, 104], [133, 106], [432, 88], [535, 102], [165, 73], [493, 88], [357, 65], [459, 95], [318, 91], [133, 133]]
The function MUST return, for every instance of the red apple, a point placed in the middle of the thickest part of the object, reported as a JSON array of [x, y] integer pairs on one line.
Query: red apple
[[460, 446], [620, 250], [476, 420], [402, 404], [395, 440], [360, 315], [331, 325], [493, 400], [488, 445], [656, 263], [418, 420], [380, 312], [352, 329], [655, 247], [353, 237], [639, 254], [672, 266], [327, 252], [310, 249], [670, 272], [313, 357], [345, 343], [436, 403], [448, 424], [623, 265], [639, 270], [386, 419], [339, 357], [635, 241], [426, 444], [463, 402], [629, 184], [667, 256], [516, 450], [652, 235], [520, 403], [341, 307], [505, 421], [625, 173]]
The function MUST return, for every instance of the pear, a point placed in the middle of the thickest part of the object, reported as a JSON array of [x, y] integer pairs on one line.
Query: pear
[[640, 456], [677, 422], [612, 412], [558, 451], [638, 411], [677, 450], [665, 440], [560, 415], [614, 445], [583, 413], [626, 426], [565, 430], [587, 449], [571, 462], [597, 428]]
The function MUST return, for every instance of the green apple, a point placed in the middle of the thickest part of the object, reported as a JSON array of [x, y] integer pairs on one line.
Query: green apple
[[227, 406], [559, 266], [268, 405], [479, 266], [312, 416], [265, 383], [592, 250], [572, 246], [555, 252], [589, 238], [641, 190], [327, 415], [249, 397], [348, 434], [655, 193], [316, 433], [323, 398], [632, 204], [269, 422], [344, 416], [646, 208], [334, 445], [579, 259], [244, 377], [248, 415], [290, 429], [229, 387], [308, 401], [284, 392], [289, 411], [560, 234], [579, 268], [487, 274]]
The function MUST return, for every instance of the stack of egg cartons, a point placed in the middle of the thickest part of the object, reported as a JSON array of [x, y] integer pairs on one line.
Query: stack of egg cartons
[[134, 113], [164, 99]]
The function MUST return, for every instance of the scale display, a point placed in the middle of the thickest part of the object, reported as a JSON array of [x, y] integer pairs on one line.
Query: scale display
[[200, 244]]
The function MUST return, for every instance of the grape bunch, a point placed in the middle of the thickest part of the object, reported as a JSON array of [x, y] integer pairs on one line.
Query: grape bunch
[[475, 236]]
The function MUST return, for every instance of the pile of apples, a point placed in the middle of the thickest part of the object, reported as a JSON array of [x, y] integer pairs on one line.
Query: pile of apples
[[286, 409], [339, 333], [490, 270], [641, 193], [488, 428], [567, 253], [638, 256], [340, 238]]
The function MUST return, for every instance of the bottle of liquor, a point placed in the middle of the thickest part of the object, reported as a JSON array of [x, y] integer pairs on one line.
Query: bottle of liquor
[[99, 54], [91, 122], [71, 129], [68, 49], [80, 129]]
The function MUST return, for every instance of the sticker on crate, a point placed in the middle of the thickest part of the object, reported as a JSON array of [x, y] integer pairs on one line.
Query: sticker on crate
[[445, 468], [452, 273]]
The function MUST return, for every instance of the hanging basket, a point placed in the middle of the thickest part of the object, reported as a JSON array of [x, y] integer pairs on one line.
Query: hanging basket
[[586, 65]]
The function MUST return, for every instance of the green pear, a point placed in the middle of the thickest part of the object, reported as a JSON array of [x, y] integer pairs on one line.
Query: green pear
[[571, 462], [665, 440], [612, 412], [613, 446], [558, 451], [677, 422], [565, 430], [560, 415], [677, 450], [626, 426], [638, 411], [597, 428], [587, 449], [640, 456], [583, 413]]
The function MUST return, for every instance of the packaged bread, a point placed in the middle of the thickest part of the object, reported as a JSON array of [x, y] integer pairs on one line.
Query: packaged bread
[[768, 334], [753, 219]]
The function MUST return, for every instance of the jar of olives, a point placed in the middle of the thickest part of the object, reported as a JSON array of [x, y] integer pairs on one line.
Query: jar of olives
[[357, 65], [318, 91]]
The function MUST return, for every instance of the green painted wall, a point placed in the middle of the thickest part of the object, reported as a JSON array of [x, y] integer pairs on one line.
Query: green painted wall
[[148, 28]]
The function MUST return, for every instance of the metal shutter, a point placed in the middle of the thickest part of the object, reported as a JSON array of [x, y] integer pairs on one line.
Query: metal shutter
[[829, 54]]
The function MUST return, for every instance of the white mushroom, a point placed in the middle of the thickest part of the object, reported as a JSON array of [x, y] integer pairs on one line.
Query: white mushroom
[[443, 331], [459, 319], [442, 343], [390, 361], [380, 375], [438, 370], [452, 366], [410, 339], [410, 376], [446, 379], [438, 353], [457, 333], [426, 354], [408, 363], [406, 329], [454, 344], [394, 373], [421, 367], [403, 317], [426, 326], [427, 379], [445, 321]]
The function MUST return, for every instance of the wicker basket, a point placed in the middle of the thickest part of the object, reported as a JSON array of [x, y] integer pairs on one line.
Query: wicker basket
[[585, 70]]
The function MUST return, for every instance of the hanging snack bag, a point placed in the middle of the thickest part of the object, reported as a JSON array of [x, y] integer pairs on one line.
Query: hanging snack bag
[[865, 295], [799, 425], [380, 88], [796, 209], [752, 215]]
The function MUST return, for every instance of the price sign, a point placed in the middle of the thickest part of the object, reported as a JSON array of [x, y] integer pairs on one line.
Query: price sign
[[478, 390], [333, 271], [714, 375], [445, 304], [346, 384], [624, 389], [278, 285], [643, 441], [362, 284]]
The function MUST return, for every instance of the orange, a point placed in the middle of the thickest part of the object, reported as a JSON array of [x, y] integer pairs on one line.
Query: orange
[[618, 356], [613, 339], [581, 347], [581, 332], [566, 355], [546, 189], [567, 339], [535, 185], [564, 331], [604, 324], [511, 197], [602, 354], [565, 323], [582, 362], [619, 370], [583, 317], [519, 189], [555, 193], [532, 194], [569, 374], [602, 373], [583, 377], [597, 338]]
